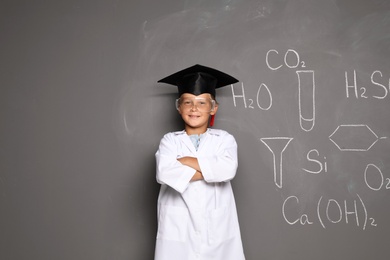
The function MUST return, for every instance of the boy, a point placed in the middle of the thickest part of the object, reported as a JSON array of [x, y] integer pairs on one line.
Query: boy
[[197, 216]]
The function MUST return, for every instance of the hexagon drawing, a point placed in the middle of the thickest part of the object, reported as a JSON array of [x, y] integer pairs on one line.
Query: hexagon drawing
[[354, 137]]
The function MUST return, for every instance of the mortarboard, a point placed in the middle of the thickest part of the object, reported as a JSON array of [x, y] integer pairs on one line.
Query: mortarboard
[[199, 79]]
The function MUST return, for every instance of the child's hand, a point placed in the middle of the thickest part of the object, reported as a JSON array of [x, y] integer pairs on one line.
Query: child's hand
[[190, 161], [193, 163]]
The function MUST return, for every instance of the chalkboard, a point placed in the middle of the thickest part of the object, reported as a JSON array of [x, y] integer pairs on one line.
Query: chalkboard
[[82, 115]]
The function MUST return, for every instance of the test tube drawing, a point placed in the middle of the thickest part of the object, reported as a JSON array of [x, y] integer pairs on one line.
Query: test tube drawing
[[306, 88], [277, 145]]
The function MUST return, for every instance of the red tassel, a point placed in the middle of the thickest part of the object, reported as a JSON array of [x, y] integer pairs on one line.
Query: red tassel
[[212, 120]]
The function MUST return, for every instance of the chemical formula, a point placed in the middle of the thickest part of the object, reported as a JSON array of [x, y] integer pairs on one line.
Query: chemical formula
[[356, 137]]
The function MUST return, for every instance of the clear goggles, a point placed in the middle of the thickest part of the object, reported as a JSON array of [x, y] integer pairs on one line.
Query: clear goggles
[[200, 104]]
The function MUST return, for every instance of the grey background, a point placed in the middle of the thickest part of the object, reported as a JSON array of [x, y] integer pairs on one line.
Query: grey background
[[81, 116]]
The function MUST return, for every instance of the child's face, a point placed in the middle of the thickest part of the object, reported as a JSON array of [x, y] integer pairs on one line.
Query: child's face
[[196, 110]]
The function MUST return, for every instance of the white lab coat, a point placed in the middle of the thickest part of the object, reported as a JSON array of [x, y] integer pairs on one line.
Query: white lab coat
[[197, 220]]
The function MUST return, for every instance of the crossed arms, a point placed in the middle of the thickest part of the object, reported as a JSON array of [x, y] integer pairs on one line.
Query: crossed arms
[[218, 164], [193, 163]]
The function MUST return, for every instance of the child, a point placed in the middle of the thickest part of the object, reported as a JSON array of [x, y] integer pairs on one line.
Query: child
[[197, 216]]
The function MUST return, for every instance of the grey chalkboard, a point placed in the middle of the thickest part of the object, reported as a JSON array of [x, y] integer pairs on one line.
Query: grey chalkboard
[[82, 115]]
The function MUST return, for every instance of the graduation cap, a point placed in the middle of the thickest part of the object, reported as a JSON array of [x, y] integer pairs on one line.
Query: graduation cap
[[199, 79]]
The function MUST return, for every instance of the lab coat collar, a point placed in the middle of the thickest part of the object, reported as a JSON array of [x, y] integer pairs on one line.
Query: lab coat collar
[[182, 135], [208, 131]]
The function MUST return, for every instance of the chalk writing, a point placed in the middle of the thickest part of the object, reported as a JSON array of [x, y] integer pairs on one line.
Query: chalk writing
[[239, 96], [322, 166], [383, 183], [269, 95], [361, 92], [263, 90], [278, 64], [354, 137], [279, 144], [330, 211], [340, 212], [306, 90], [346, 137], [303, 218]]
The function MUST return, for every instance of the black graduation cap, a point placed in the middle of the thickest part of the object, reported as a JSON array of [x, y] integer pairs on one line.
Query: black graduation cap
[[199, 79]]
